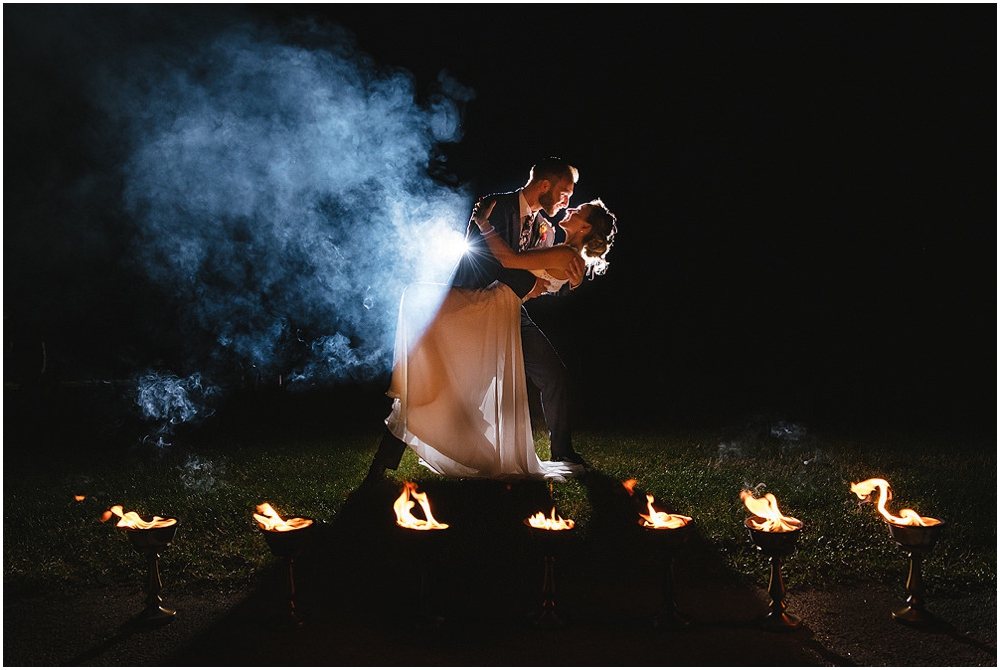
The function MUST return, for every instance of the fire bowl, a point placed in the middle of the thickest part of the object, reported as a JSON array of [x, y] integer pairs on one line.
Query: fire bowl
[[543, 532], [916, 538], [772, 543], [145, 539], [667, 538], [289, 543], [550, 540]]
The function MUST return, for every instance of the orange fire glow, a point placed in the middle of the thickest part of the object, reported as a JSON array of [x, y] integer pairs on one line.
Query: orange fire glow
[[403, 505], [629, 485], [270, 520], [908, 517], [552, 523], [767, 508], [662, 519], [79, 498], [133, 520]]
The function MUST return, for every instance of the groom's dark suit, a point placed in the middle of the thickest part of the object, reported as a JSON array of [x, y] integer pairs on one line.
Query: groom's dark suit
[[478, 268]]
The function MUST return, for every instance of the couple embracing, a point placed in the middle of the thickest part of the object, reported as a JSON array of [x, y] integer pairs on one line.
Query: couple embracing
[[459, 387]]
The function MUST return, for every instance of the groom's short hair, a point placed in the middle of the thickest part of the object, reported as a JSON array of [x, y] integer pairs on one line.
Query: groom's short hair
[[554, 169]]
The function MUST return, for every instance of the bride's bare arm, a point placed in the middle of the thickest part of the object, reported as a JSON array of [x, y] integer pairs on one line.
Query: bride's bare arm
[[549, 258]]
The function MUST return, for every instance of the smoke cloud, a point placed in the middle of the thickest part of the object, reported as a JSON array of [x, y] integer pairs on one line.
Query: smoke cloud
[[280, 186]]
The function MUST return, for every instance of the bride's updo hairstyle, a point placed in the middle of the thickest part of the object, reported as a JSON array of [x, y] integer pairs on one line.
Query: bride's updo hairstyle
[[603, 228]]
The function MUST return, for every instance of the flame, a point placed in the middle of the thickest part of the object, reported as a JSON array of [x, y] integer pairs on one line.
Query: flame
[[79, 498], [908, 518], [269, 520], [403, 505], [133, 520], [662, 519], [629, 485], [553, 523], [767, 507]]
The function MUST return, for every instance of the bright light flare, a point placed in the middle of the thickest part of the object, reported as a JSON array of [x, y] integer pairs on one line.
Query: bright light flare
[[403, 505], [661, 519], [440, 248], [907, 516], [767, 509], [270, 520]]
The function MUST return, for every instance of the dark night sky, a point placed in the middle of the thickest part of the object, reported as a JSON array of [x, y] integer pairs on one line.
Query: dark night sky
[[805, 193]]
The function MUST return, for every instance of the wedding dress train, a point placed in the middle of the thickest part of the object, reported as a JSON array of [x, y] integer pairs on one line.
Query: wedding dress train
[[459, 388]]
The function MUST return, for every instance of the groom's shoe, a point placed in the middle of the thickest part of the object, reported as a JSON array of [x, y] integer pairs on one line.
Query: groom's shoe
[[387, 457], [571, 457]]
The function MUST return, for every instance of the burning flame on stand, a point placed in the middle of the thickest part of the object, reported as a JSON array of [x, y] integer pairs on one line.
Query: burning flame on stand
[[767, 507], [662, 519], [629, 485], [552, 523], [908, 518], [403, 505], [133, 520], [269, 520]]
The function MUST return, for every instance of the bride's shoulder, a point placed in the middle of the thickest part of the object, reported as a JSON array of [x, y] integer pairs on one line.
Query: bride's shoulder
[[565, 249]]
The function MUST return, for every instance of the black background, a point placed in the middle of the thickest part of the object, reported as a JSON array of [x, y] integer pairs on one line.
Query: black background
[[805, 194]]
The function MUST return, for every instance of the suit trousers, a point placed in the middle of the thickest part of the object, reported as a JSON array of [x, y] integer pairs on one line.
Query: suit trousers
[[546, 370]]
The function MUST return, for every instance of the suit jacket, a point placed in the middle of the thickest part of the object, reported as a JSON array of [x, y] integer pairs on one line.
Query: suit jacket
[[478, 268]]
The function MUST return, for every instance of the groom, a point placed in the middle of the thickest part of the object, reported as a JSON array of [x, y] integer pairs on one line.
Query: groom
[[517, 218]]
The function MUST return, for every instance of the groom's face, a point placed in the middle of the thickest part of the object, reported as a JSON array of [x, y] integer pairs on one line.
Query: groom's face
[[556, 197]]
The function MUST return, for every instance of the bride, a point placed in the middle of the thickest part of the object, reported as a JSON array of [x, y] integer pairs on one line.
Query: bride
[[459, 388]]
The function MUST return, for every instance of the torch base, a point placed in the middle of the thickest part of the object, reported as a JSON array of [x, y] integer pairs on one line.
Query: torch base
[[781, 622], [549, 620], [159, 613], [671, 621], [916, 617]]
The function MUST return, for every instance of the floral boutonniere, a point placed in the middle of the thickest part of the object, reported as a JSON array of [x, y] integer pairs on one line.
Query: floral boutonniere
[[543, 230]]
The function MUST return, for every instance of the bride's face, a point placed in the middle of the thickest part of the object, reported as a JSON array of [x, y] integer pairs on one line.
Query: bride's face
[[575, 219]]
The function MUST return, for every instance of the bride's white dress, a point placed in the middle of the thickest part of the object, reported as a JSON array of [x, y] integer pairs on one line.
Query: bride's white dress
[[459, 388]]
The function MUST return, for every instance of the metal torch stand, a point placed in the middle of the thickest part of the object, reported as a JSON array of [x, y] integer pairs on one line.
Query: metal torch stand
[[155, 611], [668, 617], [915, 541], [151, 542], [778, 619], [294, 619], [775, 545], [290, 545], [549, 619]]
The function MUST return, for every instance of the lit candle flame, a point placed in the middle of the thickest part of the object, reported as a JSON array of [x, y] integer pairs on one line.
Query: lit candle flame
[[403, 505], [552, 523], [662, 519], [767, 508], [133, 520], [908, 517], [270, 520]]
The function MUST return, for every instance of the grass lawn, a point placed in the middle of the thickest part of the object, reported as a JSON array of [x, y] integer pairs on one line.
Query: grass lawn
[[305, 456]]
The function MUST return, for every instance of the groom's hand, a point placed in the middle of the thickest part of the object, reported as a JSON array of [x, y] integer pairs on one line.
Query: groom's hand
[[537, 289], [575, 271]]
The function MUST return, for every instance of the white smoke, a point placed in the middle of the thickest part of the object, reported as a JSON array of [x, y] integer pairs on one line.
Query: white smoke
[[282, 194]]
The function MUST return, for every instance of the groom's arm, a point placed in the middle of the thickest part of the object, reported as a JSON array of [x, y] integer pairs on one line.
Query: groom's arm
[[479, 267]]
